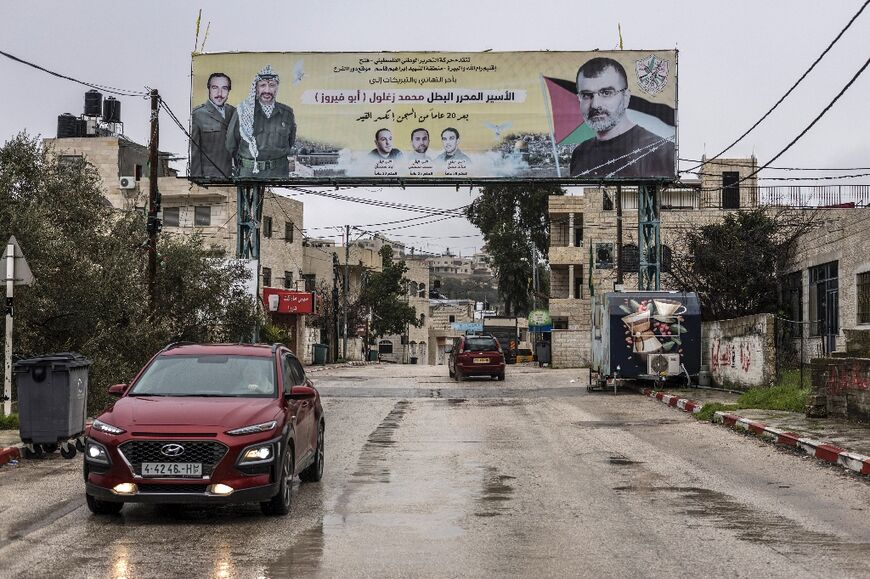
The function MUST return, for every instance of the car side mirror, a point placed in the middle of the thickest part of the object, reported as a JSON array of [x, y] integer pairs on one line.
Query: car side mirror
[[301, 392], [117, 389]]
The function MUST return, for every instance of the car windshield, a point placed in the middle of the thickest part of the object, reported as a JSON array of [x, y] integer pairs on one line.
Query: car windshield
[[208, 375], [480, 344]]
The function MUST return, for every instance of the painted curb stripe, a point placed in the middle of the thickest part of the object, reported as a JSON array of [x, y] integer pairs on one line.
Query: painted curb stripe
[[789, 439], [854, 462], [828, 452]]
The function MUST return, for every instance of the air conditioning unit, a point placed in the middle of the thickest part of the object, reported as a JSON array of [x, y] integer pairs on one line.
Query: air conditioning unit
[[663, 364], [127, 182]]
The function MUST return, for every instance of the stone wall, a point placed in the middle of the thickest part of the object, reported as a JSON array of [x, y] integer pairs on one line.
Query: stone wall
[[841, 388], [567, 348], [740, 353]]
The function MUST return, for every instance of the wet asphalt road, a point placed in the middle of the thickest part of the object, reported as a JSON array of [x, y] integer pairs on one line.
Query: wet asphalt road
[[427, 477]]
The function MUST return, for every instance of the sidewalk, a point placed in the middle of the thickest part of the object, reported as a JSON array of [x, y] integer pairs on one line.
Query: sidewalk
[[831, 440]]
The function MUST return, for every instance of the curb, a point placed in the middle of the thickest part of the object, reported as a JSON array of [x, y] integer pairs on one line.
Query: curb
[[9, 454], [314, 368], [830, 453]]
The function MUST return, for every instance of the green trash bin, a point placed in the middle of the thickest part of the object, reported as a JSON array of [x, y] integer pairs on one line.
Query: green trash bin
[[320, 353], [373, 355]]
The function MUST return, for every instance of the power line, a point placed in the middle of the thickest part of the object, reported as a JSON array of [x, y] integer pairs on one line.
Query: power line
[[794, 86], [104, 88], [772, 167]]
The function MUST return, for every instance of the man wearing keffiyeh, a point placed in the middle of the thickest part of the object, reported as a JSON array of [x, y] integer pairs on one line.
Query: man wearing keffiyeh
[[262, 131]]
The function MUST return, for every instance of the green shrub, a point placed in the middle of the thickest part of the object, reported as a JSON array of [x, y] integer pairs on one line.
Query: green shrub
[[8, 422], [781, 397], [711, 408]]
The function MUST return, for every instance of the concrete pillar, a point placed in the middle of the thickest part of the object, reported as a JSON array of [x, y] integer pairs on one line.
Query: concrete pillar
[[571, 280], [571, 229]]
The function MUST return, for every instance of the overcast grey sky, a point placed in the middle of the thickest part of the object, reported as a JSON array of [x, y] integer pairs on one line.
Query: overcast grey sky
[[736, 59]]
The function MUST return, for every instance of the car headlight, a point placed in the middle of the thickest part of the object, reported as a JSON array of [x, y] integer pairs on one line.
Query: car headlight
[[96, 453], [107, 428], [254, 428], [257, 454]]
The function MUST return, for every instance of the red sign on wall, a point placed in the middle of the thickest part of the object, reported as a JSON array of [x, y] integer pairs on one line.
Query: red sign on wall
[[288, 302]]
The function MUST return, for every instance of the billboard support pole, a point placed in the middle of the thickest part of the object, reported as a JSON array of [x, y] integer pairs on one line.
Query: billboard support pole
[[248, 213], [649, 237]]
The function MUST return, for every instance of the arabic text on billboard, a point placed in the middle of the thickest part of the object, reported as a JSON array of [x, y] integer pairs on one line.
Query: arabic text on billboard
[[334, 117]]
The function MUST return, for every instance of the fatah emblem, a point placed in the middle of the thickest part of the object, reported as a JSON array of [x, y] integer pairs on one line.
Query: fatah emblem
[[652, 74]]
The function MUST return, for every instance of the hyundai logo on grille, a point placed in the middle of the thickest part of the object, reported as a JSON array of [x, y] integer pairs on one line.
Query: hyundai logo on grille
[[172, 450]]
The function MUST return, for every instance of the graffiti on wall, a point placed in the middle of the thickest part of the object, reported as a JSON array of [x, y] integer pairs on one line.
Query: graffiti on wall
[[729, 355], [841, 379]]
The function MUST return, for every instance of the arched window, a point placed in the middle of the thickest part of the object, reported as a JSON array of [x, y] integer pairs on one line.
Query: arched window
[[422, 319], [385, 347], [422, 292], [413, 288]]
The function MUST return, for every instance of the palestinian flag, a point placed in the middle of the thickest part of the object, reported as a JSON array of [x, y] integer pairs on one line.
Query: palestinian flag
[[569, 126]]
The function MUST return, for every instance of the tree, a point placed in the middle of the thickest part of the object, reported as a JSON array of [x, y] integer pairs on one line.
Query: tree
[[735, 265], [513, 218], [385, 297], [90, 293]]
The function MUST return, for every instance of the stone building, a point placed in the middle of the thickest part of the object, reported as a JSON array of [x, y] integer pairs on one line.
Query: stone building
[[187, 208], [411, 347], [443, 314], [830, 272]]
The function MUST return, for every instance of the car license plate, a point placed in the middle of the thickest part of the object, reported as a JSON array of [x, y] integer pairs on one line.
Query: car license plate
[[481, 360], [170, 469]]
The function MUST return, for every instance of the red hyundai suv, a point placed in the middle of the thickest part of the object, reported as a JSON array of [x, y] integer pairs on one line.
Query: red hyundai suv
[[207, 423], [476, 355]]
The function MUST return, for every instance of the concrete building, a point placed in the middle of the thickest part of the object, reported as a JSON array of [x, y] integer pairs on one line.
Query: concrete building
[[210, 212], [413, 346], [583, 245], [443, 314]]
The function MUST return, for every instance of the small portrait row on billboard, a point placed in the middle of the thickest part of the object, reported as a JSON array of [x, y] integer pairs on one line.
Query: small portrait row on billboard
[[333, 117]]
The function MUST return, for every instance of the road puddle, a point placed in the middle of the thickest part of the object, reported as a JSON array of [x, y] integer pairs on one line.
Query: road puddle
[[725, 512], [302, 559], [373, 464], [496, 492]]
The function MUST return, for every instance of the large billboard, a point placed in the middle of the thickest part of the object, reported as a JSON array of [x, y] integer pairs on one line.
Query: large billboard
[[423, 118]]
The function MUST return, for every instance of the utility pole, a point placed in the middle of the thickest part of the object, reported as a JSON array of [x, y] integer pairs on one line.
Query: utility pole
[[7, 355], [335, 273], [619, 235], [153, 198], [345, 286]]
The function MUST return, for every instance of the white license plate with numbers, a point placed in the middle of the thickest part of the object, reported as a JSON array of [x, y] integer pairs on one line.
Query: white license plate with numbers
[[169, 469]]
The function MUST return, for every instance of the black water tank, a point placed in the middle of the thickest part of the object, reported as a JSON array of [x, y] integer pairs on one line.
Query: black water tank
[[93, 103], [112, 110], [68, 126]]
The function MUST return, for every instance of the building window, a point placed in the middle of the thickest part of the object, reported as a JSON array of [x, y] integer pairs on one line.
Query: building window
[[138, 172], [604, 258], [70, 161], [385, 347], [607, 201], [667, 259], [288, 231], [730, 190], [578, 282], [578, 229], [202, 215], [310, 282], [267, 277], [267, 227], [863, 291], [792, 296], [288, 280], [171, 216], [824, 301], [630, 258], [451, 319]]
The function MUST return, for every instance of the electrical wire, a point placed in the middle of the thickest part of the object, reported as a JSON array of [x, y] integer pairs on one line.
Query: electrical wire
[[794, 86], [104, 88]]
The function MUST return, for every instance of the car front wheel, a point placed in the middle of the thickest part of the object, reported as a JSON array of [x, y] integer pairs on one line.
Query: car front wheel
[[279, 505], [314, 472]]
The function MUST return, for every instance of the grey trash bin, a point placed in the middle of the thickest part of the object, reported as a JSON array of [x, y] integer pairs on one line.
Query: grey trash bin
[[52, 397], [320, 353], [542, 352]]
